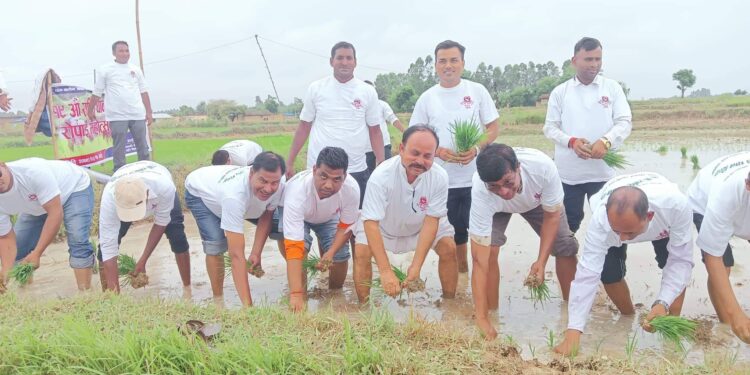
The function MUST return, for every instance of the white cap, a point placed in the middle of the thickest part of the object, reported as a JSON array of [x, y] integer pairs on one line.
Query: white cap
[[130, 198]]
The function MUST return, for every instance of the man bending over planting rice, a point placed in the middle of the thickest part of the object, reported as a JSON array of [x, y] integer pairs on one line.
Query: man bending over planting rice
[[135, 192], [45, 194], [630, 209], [324, 200], [720, 198], [465, 118], [509, 181], [405, 210], [221, 198], [240, 152]]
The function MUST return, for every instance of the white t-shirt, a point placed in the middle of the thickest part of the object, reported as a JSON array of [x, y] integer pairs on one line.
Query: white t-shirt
[[303, 205], [161, 191], [673, 218], [388, 118], [35, 182], [439, 107], [122, 86], [242, 152], [340, 114], [400, 207], [541, 186], [226, 191], [599, 109], [719, 194]]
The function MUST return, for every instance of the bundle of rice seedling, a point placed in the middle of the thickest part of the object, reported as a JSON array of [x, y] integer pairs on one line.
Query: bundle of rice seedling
[[417, 285], [22, 273], [466, 134], [537, 288], [311, 265], [256, 271], [673, 328], [616, 159], [683, 151], [126, 271], [696, 162], [125, 264]]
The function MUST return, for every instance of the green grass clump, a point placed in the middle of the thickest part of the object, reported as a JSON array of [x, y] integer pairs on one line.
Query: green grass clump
[[662, 149], [683, 151], [696, 162], [22, 273], [466, 134], [674, 329], [616, 159]]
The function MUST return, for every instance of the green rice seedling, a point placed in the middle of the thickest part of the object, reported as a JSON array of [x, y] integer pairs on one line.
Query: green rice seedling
[[126, 271], [662, 149], [22, 273], [630, 346], [696, 162], [414, 286], [683, 151], [466, 134], [616, 159], [125, 264], [256, 271], [551, 339], [311, 265], [538, 289], [673, 329], [532, 350]]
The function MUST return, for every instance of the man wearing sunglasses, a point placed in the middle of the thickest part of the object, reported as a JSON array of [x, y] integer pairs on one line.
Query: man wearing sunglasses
[[405, 210]]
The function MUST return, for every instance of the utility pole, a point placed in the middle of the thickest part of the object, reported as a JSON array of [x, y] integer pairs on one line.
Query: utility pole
[[138, 35], [269, 70]]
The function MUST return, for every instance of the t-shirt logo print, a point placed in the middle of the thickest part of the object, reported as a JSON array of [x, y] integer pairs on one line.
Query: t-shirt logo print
[[422, 203], [604, 101], [357, 104], [538, 197], [467, 102], [663, 234], [32, 197]]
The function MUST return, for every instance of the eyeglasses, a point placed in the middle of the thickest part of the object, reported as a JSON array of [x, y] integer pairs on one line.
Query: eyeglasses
[[508, 184]]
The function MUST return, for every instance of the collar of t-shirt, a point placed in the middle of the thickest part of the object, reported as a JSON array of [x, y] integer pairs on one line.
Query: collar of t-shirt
[[597, 81], [403, 177]]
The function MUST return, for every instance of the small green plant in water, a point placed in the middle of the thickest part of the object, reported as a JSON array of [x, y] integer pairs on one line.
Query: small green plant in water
[[662, 149], [551, 339], [683, 151], [696, 162], [630, 346], [22, 273], [466, 134], [674, 329], [616, 159]]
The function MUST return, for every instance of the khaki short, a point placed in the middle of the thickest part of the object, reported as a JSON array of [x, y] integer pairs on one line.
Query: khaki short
[[404, 244], [565, 244]]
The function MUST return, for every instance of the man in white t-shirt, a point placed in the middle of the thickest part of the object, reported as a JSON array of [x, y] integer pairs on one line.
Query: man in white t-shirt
[[4, 95], [221, 198], [240, 152], [523, 181], [45, 194], [341, 111], [452, 100], [631, 209], [720, 199], [404, 211], [137, 191], [389, 117], [127, 105], [324, 200]]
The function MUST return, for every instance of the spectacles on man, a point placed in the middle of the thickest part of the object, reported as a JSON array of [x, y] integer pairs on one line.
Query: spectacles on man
[[508, 183]]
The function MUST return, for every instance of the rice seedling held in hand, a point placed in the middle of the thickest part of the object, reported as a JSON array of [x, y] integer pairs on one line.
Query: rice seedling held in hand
[[538, 289], [22, 273], [683, 151], [126, 271], [311, 265], [616, 159], [254, 270], [696, 162], [466, 134], [673, 329], [417, 285]]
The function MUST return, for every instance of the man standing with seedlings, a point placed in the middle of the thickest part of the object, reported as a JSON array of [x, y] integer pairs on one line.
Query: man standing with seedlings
[[45, 194], [221, 198], [452, 101], [137, 191], [324, 200], [340, 111], [631, 209], [388, 118], [127, 105], [720, 199], [509, 181], [240, 152], [405, 210]]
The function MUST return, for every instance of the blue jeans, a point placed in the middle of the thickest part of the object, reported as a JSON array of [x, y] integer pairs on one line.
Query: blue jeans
[[77, 212], [325, 232], [209, 226]]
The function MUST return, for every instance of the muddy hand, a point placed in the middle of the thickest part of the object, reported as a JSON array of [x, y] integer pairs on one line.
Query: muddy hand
[[412, 274], [32, 259], [657, 310], [254, 259], [325, 261], [139, 268], [390, 283], [296, 302], [741, 328], [571, 342], [537, 269]]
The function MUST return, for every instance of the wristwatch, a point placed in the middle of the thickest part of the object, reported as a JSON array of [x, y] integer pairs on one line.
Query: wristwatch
[[661, 302], [606, 142]]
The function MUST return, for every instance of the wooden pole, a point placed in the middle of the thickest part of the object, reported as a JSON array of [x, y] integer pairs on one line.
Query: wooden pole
[[53, 130], [140, 58]]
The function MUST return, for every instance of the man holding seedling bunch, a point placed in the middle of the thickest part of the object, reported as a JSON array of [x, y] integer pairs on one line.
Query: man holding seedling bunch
[[720, 198], [465, 118], [404, 210], [631, 209]]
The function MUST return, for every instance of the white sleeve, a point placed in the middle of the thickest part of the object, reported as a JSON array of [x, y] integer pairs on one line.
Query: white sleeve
[[678, 270], [482, 211], [552, 194], [553, 122], [419, 115], [232, 215], [293, 220], [308, 112], [41, 186], [388, 113], [141, 82], [621, 117], [375, 202], [5, 224], [166, 203], [373, 112], [109, 226], [586, 283], [350, 204], [438, 207], [487, 110], [718, 227], [101, 82]]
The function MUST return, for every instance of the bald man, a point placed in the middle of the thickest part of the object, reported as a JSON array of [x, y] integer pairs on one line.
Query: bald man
[[631, 209]]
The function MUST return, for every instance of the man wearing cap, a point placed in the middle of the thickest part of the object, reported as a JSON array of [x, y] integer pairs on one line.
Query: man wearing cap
[[404, 211], [630, 209], [135, 192], [45, 194], [389, 117], [324, 200], [221, 198], [240, 152]]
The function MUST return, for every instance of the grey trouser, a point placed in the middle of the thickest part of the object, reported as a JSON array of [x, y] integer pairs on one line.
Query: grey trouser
[[120, 136]]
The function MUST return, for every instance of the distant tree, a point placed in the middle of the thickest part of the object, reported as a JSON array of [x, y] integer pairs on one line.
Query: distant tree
[[404, 99], [685, 78], [185, 110], [625, 89], [201, 108], [702, 93], [225, 109], [271, 104], [740, 92], [258, 102]]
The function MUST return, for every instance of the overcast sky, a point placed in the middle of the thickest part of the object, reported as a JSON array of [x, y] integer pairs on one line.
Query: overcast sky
[[644, 41]]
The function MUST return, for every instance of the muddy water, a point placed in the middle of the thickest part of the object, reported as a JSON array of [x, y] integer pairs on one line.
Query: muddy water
[[517, 318]]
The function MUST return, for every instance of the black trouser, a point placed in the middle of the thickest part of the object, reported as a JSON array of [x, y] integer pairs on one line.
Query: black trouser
[[370, 158], [614, 264], [459, 210], [361, 178], [728, 257]]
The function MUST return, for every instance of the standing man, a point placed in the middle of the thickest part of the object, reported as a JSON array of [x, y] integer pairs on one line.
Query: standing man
[[452, 100], [631, 209], [324, 200], [523, 181], [388, 118], [127, 106], [240, 152], [137, 191], [720, 198], [221, 198], [340, 111], [4, 98], [404, 211], [45, 194]]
